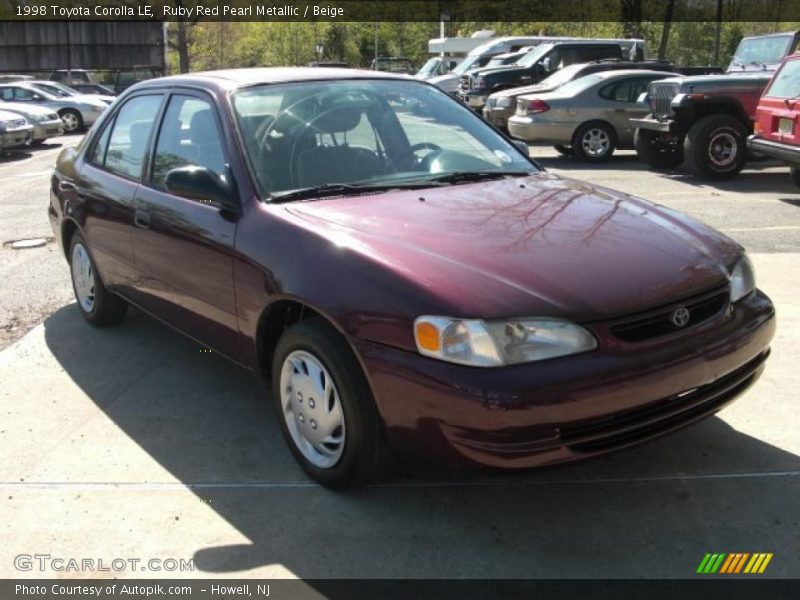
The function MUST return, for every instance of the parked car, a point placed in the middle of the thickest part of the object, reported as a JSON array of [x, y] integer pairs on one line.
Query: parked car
[[393, 64], [435, 66], [76, 112], [508, 58], [45, 122], [501, 105], [543, 61], [14, 78], [777, 126], [64, 91], [93, 89], [15, 131], [125, 78], [402, 273], [704, 121], [481, 55], [588, 117], [330, 64], [70, 76]]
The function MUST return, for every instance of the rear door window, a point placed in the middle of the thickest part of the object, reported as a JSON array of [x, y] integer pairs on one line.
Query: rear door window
[[786, 83], [130, 137]]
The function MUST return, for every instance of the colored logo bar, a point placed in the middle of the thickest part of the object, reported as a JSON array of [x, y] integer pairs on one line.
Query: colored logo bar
[[736, 562]]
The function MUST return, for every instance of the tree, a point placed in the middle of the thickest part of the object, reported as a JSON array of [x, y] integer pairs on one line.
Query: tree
[[662, 46]]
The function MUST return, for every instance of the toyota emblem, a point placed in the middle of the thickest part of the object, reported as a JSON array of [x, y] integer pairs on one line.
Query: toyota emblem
[[680, 317]]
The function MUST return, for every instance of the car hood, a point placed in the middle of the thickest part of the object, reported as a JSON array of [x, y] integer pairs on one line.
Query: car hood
[[7, 115], [497, 70], [25, 109], [540, 245]]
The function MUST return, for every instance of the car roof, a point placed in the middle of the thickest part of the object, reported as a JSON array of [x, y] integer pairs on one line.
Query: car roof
[[234, 78]]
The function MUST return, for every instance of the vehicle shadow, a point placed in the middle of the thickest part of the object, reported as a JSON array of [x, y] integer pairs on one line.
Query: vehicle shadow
[[651, 511], [13, 155]]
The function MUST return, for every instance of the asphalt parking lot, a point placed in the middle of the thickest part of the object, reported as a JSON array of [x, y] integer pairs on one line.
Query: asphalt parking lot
[[132, 443]]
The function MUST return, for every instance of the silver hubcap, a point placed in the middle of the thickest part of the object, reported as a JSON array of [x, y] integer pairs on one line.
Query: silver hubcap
[[83, 277], [312, 409], [596, 142], [723, 149], [70, 121]]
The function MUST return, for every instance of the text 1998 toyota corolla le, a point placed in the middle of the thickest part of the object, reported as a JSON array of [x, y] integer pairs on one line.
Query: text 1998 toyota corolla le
[[402, 273]]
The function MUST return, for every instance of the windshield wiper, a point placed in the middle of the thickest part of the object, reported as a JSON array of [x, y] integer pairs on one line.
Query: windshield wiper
[[467, 176], [341, 189]]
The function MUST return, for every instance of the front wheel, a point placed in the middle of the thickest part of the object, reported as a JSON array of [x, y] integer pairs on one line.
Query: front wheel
[[716, 147], [594, 142], [97, 305], [71, 119], [325, 407], [658, 150]]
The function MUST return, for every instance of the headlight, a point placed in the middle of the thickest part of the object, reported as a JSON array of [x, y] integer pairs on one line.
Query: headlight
[[505, 101], [495, 343], [743, 279], [98, 109], [52, 116]]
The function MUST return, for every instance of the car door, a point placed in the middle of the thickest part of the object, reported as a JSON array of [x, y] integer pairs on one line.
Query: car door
[[106, 188], [184, 248], [619, 104]]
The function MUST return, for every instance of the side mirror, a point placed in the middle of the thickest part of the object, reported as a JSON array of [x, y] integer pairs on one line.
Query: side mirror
[[36, 98], [522, 147], [199, 183]]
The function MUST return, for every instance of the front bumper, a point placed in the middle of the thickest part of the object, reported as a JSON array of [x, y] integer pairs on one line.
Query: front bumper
[[573, 407], [47, 129], [474, 100], [16, 138], [664, 126], [498, 115], [782, 152]]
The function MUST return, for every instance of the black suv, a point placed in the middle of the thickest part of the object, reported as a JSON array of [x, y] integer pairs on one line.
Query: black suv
[[539, 63]]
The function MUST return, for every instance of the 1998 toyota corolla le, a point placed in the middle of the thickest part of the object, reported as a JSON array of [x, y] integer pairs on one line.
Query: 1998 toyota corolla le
[[401, 272]]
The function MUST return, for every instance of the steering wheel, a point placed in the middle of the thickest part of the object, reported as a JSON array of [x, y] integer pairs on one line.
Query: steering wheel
[[425, 161]]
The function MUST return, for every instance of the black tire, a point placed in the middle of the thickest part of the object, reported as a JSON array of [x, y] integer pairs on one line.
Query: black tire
[[563, 150], [582, 151], [72, 120], [107, 309], [794, 173], [716, 147], [657, 151], [364, 450], [38, 142]]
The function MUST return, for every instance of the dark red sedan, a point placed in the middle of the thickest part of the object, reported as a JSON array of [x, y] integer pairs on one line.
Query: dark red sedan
[[401, 272]]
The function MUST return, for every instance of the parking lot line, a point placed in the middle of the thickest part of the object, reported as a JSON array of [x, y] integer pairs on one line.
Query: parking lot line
[[169, 486]]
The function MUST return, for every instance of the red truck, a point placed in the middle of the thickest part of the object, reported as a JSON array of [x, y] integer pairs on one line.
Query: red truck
[[777, 126], [704, 121]]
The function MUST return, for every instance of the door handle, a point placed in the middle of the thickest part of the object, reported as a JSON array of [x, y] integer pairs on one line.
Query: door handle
[[141, 219], [67, 186]]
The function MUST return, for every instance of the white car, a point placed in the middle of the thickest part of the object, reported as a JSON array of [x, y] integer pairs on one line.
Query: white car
[[64, 91], [76, 112], [45, 121], [15, 131]]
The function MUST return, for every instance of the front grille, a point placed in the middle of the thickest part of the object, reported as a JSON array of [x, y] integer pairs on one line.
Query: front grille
[[661, 95], [466, 84], [659, 322]]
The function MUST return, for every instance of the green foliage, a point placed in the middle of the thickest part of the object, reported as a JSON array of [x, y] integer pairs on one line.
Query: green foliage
[[250, 44]]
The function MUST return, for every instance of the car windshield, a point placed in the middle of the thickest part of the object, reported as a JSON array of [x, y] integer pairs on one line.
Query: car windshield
[[429, 68], [561, 76], [786, 83], [55, 89], [576, 86], [762, 51], [366, 133], [534, 55]]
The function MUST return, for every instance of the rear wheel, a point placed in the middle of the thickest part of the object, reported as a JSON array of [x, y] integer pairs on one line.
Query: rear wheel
[[563, 150], [658, 150], [594, 142], [325, 407], [716, 147], [97, 305]]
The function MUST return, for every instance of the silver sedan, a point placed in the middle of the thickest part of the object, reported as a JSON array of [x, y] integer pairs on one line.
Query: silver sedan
[[76, 112], [46, 123], [588, 117], [15, 131]]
